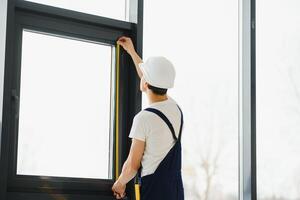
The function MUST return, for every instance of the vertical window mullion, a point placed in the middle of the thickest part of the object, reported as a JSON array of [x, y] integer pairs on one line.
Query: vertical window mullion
[[247, 147]]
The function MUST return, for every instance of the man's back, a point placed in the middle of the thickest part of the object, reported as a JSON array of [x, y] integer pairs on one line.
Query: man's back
[[153, 130]]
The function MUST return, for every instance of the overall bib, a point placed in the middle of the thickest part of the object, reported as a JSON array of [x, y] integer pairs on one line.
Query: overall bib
[[166, 182]]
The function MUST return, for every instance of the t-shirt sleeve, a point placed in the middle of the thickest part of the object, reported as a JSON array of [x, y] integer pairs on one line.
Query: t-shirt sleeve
[[138, 129]]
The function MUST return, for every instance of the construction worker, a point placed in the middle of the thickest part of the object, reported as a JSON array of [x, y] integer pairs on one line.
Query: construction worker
[[155, 132]]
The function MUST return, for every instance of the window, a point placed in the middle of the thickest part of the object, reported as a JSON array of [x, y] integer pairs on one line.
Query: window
[[278, 99], [116, 9], [201, 39], [3, 13], [66, 94], [64, 115]]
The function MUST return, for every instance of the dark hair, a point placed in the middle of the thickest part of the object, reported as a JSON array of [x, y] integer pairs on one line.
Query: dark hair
[[158, 91]]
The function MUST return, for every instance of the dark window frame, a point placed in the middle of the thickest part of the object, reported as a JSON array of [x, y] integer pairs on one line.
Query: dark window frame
[[43, 18]]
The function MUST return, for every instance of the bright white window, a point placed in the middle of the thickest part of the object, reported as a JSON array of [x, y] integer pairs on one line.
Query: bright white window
[[64, 118], [278, 99], [201, 39]]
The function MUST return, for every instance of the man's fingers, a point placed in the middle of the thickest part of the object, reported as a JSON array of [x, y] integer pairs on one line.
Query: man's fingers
[[123, 39], [122, 43], [119, 196], [123, 195]]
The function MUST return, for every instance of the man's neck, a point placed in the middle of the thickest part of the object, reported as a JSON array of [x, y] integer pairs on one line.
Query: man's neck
[[156, 98]]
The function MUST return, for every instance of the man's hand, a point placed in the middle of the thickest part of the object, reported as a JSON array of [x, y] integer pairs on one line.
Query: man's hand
[[127, 44], [130, 168], [119, 189]]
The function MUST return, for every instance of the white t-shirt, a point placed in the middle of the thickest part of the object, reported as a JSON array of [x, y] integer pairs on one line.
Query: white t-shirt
[[149, 127]]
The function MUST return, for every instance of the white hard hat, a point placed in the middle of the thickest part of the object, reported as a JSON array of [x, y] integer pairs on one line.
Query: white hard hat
[[158, 72]]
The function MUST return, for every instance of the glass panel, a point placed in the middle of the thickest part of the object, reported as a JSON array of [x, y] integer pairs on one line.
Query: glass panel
[[64, 125], [3, 14], [116, 9], [278, 99], [201, 39]]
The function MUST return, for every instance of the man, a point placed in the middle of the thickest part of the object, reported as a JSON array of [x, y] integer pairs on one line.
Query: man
[[155, 133]]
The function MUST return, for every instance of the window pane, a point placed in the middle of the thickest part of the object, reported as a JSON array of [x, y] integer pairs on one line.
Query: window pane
[[201, 39], [3, 14], [116, 9], [278, 99], [64, 108]]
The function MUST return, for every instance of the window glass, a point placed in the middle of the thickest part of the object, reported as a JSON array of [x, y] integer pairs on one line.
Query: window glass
[[278, 99], [201, 39], [3, 13], [64, 117]]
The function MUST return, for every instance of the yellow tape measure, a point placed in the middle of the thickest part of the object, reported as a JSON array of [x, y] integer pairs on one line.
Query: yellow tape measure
[[137, 192], [117, 108], [136, 186]]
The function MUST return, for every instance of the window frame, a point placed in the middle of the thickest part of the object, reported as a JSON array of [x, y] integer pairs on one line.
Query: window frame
[[37, 181], [247, 100], [58, 21]]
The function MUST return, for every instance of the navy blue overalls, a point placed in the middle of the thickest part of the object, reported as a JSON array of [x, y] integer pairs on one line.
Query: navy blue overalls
[[166, 182]]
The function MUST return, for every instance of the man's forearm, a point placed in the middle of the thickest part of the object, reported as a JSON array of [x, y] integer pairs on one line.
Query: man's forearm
[[137, 59], [128, 173]]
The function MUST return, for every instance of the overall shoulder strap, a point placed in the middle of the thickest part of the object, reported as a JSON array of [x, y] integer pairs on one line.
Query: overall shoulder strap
[[181, 124], [165, 119]]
